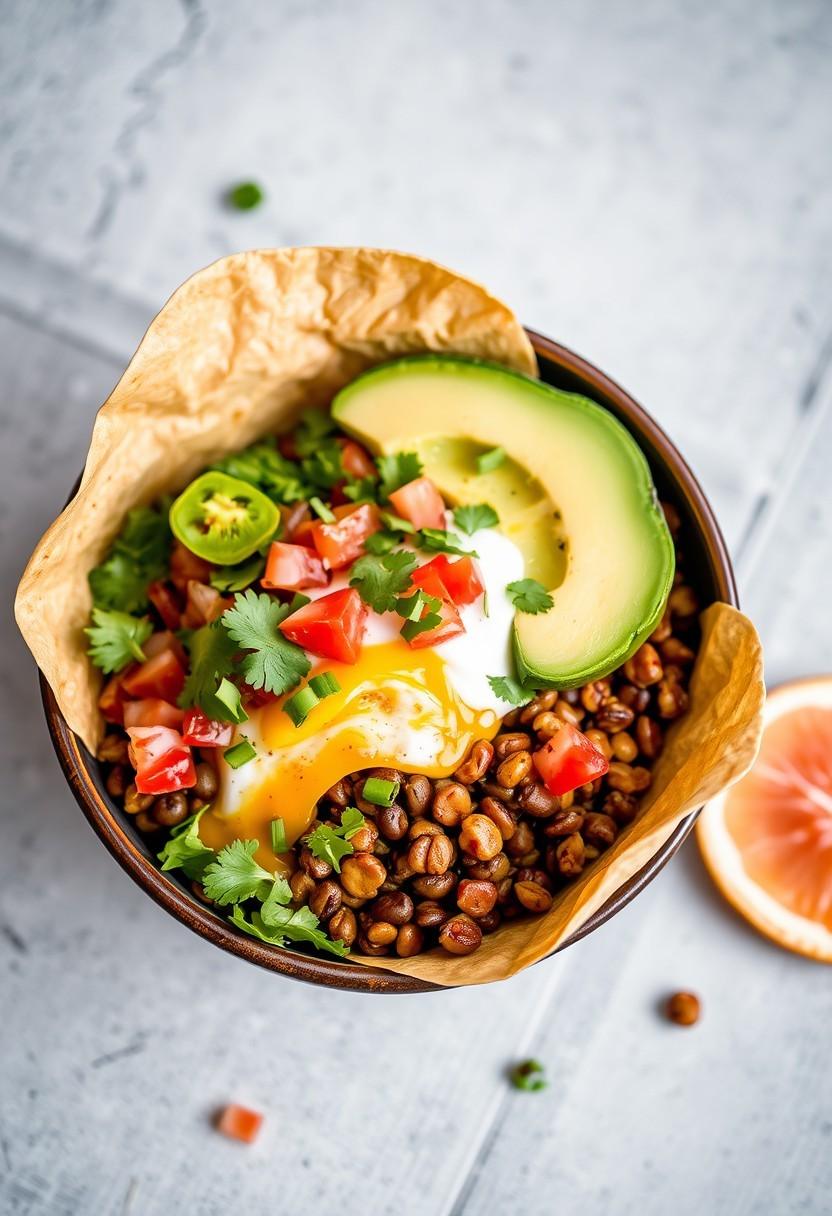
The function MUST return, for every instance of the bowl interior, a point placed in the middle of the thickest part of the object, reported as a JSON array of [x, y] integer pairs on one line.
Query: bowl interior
[[711, 570]]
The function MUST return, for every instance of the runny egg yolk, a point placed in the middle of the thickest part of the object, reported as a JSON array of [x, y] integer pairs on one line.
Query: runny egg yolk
[[396, 708]]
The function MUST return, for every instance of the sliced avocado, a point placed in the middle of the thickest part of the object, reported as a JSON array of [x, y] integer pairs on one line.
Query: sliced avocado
[[574, 493]]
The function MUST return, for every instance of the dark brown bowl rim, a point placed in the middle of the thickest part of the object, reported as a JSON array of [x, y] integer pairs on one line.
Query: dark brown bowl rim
[[75, 760]]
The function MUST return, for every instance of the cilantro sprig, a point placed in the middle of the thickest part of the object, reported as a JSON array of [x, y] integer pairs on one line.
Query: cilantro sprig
[[510, 690], [380, 580], [234, 875], [270, 661], [116, 639], [438, 540], [331, 841], [470, 519], [137, 557], [528, 595], [397, 470], [184, 849], [212, 653]]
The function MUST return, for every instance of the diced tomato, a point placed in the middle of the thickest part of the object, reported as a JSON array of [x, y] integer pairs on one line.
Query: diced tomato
[[256, 697], [163, 639], [569, 760], [204, 605], [185, 565], [421, 503], [332, 627], [459, 577], [287, 447], [239, 1123], [356, 461], [291, 567], [152, 712], [293, 516], [201, 731], [342, 542], [162, 761], [164, 601], [450, 625], [112, 698], [161, 676]]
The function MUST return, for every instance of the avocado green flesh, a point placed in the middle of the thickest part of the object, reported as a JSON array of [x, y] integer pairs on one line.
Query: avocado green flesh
[[575, 494]]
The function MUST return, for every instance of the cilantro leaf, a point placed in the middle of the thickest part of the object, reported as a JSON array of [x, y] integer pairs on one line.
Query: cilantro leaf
[[138, 556], [509, 690], [437, 540], [212, 654], [324, 468], [528, 595], [116, 638], [331, 841], [272, 661], [381, 579], [382, 542], [313, 427], [263, 466], [235, 875], [299, 926], [362, 489], [237, 578], [397, 470], [471, 518], [280, 896], [185, 850]]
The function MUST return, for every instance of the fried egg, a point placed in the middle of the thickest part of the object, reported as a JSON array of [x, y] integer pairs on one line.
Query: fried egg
[[413, 710]]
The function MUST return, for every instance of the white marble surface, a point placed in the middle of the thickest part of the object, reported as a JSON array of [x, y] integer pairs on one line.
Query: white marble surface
[[649, 183]]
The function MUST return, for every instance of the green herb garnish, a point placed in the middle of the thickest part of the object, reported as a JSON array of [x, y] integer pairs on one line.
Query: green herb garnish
[[488, 461], [287, 926], [240, 753], [228, 695], [528, 1076], [381, 579], [117, 639], [331, 842], [237, 578], [271, 661], [245, 196], [528, 595], [427, 615], [471, 519], [437, 540], [212, 654], [138, 556], [279, 842], [299, 706], [380, 792], [321, 510], [397, 470], [185, 851], [509, 690], [235, 875]]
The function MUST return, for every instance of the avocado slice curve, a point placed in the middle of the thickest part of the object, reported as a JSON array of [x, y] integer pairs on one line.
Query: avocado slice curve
[[574, 492]]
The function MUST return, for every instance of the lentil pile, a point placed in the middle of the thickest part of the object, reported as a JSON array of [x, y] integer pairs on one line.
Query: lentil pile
[[452, 859]]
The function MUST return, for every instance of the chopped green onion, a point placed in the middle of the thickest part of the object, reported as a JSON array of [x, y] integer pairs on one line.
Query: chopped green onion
[[396, 523], [228, 695], [488, 461], [301, 704], [379, 792], [305, 699], [279, 843], [240, 753], [245, 195], [298, 600], [322, 510], [324, 685]]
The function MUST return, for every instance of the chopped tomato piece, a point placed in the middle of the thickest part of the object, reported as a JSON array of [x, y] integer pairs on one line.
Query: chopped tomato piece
[[450, 624], [162, 761], [421, 503], [332, 627], [112, 698], [342, 542], [204, 605], [291, 567], [165, 603], [153, 712], [185, 565], [356, 461], [239, 1123], [569, 760], [257, 697], [201, 731], [164, 639], [459, 577], [293, 516], [161, 676]]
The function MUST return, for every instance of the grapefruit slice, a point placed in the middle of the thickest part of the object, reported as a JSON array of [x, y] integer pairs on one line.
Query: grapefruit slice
[[767, 840]]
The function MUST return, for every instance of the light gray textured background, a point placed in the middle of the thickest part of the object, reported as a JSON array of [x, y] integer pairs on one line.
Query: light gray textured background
[[648, 182]]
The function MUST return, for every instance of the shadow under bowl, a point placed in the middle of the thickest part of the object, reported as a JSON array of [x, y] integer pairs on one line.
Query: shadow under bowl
[[709, 569]]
